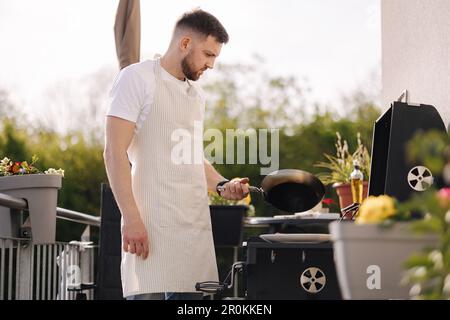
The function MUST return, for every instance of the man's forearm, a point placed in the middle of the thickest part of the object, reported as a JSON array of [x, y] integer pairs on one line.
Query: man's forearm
[[212, 176], [119, 176]]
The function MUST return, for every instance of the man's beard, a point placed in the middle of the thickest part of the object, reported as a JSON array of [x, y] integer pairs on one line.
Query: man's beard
[[188, 69]]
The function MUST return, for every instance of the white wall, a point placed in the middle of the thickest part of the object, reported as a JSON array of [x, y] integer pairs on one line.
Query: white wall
[[416, 52]]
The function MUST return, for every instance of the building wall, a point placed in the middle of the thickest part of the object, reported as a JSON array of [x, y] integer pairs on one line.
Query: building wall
[[416, 52]]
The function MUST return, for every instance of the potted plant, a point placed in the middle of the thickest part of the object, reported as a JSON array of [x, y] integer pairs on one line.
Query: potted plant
[[369, 253], [398, 250], [227, 219], [341, 166], [40, 189]]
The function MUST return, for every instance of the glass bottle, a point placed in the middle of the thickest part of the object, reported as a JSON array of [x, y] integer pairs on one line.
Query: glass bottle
[[356, 181]]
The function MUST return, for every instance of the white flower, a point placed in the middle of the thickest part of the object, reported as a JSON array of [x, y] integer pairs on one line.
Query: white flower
[[446, 288], [54, 171], [420, 272], [50, 171], [4, 166], [5, 162], [447, 217], [436, 257], [415, 290]]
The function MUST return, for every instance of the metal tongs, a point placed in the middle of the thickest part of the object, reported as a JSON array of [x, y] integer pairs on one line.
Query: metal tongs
[[353, 209]]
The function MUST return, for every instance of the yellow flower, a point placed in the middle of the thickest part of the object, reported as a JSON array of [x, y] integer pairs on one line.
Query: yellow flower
[[246, 200], [376, 209]]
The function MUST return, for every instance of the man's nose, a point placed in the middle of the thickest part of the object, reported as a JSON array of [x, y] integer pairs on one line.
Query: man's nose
[[210, 64]]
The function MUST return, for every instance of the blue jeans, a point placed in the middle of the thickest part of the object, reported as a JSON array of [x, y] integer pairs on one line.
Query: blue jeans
[[168, 296]]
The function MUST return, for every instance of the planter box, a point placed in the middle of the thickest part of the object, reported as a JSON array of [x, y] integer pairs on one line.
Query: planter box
[[362, 252], [41, 193], [227, 224]]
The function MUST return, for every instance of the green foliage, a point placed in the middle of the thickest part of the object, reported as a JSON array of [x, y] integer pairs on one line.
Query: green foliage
[[429, 271], [431, 148], [13, 140]]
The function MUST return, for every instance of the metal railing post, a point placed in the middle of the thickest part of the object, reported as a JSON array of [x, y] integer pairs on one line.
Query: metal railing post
[[24, 271], [86, 263]]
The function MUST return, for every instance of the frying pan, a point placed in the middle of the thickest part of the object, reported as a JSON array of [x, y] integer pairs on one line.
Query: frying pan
[[290, 190]]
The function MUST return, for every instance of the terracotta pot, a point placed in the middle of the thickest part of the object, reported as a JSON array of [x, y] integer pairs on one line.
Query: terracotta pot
[[344, 192]]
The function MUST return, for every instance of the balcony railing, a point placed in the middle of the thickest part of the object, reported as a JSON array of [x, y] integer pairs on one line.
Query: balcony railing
[[46, 271]]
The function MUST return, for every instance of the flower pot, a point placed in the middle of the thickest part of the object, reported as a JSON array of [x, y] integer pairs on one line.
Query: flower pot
[[227, 224], [370, 258], [344, 191], [41, 193]]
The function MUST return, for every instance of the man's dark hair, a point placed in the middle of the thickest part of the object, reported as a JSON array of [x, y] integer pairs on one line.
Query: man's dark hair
[[204, 23]]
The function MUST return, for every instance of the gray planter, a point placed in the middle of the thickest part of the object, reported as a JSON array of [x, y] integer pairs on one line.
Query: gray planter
[[41, 193], [370, 259]]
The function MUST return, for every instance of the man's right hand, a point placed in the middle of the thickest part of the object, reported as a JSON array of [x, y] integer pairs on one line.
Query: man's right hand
[[135, 238]]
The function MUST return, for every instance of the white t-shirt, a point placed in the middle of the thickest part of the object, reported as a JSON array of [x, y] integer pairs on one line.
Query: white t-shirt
[[133, 90]]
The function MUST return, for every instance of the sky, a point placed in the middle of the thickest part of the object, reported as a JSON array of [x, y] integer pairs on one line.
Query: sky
[[335, 45]]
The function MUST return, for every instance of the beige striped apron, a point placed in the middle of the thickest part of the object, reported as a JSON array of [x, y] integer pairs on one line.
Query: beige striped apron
[[172, 198]]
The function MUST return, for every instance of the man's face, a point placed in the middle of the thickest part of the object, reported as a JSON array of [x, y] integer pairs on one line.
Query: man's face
[[201, 56]]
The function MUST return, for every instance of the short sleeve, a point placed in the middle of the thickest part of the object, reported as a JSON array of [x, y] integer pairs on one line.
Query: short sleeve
[[127, 95]]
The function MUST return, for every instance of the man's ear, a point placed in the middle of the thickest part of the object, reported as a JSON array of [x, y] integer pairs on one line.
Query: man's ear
[[185, 44]]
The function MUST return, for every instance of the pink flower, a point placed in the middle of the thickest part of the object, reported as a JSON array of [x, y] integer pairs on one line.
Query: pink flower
[[444, 197]]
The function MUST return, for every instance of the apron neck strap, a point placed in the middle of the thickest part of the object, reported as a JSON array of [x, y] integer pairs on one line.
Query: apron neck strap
[[158, 70]]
